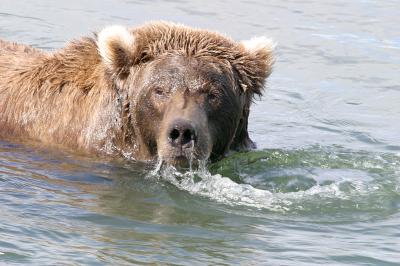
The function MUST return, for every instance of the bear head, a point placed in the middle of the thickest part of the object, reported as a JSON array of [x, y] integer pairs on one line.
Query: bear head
[[187, 92]]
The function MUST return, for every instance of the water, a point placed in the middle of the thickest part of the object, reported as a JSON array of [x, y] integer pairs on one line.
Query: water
[[323, 186]]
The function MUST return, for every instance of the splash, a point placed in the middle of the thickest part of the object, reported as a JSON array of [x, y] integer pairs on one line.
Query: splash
[[199, 181], [325, 181], [191, 156]]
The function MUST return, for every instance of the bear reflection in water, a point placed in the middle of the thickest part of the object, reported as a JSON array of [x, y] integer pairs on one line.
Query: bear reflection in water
[[161, 90]]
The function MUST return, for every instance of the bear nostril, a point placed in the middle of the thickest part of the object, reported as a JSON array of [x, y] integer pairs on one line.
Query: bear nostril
[[174, 134], [188, 135]]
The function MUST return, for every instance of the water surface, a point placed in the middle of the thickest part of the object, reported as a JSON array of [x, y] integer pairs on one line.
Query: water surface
[[322, 187]]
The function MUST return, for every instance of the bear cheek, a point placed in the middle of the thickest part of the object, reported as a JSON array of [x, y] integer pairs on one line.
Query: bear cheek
[[220, 135], [222, 131], [148, 118]]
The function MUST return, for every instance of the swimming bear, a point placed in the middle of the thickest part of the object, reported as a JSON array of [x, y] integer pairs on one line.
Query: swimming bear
[[160, 90]]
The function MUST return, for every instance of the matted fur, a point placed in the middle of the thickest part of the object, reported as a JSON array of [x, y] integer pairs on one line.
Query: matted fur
[[72, 96]]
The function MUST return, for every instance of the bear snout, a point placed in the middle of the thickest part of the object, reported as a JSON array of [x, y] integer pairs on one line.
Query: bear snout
[[183, 139], [182, 134]]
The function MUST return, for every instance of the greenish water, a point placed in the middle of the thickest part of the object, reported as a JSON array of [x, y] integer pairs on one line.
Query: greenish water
[[323, 187], [316, 205]]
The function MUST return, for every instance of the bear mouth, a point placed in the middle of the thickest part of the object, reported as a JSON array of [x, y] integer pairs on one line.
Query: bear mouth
[[182, 158], [179, 161]]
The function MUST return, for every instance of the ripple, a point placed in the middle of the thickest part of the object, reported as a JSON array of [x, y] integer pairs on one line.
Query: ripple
[[309, 181]]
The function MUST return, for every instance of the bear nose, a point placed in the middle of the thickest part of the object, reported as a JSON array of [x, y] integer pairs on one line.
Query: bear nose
[[182, 133]]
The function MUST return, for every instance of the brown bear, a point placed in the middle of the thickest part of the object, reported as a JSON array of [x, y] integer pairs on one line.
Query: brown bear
[[161, 90]]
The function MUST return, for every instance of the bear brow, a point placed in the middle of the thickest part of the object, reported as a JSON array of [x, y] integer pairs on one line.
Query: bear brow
[[202, 87], [208, 86]]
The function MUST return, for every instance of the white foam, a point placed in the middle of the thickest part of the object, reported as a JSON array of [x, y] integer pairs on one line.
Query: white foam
[[222, 189]]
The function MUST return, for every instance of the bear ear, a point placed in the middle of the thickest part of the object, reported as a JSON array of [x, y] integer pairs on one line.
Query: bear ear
[[116, 46], [253, 66], [257, 64], [260, 44]]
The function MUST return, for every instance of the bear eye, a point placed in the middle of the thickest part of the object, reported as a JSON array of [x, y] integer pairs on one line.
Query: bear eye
[[213, 97], [159, 91]]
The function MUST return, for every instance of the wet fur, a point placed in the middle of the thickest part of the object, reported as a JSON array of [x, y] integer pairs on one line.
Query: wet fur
[[75, 98]]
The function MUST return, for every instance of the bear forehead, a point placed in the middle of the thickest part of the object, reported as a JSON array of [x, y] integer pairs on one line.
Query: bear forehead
[[195, 73]]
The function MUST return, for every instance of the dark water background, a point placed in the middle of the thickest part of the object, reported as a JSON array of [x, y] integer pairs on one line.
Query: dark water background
[[322, 188]]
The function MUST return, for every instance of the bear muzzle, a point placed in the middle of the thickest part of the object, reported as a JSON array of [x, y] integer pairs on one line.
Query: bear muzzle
[[182, 134], [183, 140]]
